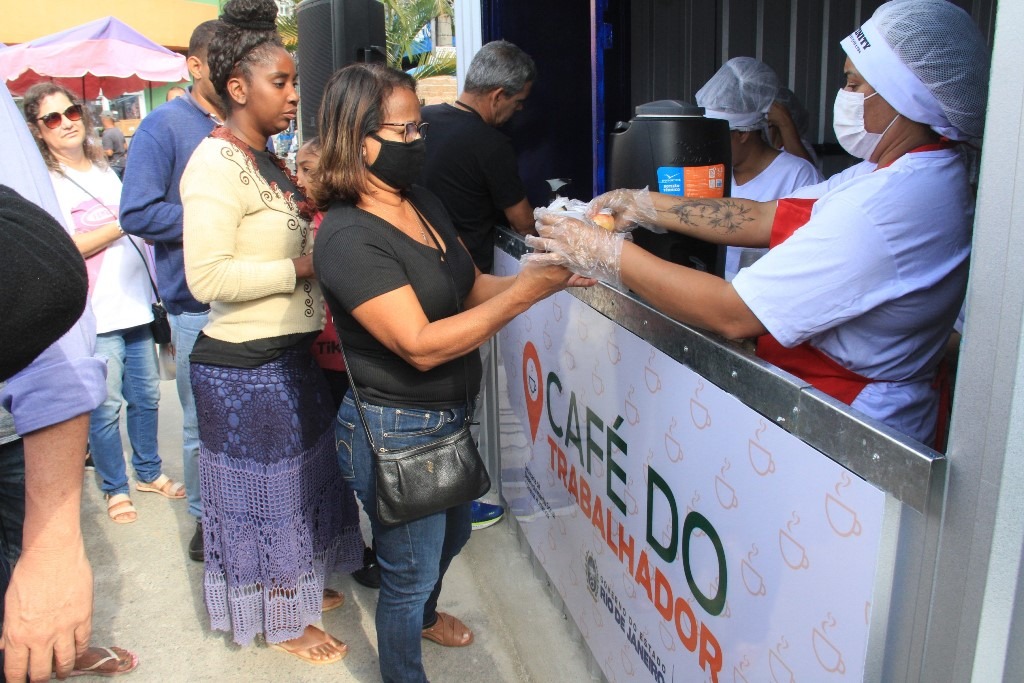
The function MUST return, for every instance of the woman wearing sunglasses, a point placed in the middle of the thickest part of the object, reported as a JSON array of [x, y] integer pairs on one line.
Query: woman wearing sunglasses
[[120, 293]]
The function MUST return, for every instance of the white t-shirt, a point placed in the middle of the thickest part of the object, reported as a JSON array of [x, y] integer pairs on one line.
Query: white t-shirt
[[875, 279], [780, 178], [119, 290]]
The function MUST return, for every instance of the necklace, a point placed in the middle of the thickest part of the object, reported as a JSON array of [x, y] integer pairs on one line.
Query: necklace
[[467, 107]]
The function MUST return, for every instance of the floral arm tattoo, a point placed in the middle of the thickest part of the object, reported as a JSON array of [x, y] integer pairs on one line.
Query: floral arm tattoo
[[724, 216]]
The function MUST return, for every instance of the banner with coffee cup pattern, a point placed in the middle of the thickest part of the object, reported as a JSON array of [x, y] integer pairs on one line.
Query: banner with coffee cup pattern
[[690, 538]]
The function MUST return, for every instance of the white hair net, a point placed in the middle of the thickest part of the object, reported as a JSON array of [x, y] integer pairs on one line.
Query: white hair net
[[928, 59], [741, 92]]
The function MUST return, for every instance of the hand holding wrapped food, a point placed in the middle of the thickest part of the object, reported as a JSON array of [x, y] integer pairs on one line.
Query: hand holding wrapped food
[[627, 209], [578, 243]]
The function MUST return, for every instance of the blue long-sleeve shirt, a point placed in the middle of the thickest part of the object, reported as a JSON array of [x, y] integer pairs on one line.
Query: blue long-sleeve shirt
[[150, 200]]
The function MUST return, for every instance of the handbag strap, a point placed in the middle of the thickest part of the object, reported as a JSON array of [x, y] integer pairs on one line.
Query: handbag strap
[[458, 309], [145, 262]]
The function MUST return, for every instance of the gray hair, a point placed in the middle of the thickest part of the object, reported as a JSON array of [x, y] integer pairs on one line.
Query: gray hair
[[500, 64]]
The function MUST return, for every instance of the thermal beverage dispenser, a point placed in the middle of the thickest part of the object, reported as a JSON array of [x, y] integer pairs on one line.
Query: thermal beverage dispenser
[[669, 146]]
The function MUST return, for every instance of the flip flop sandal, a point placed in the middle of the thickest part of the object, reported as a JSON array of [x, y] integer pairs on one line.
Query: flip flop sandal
[[120, 509], [449, 632], [332, 600], [305, 653], [164, 485], [126, 663]]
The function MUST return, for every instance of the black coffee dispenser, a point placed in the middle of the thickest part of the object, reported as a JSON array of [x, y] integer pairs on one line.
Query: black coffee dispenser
[[670, 147]]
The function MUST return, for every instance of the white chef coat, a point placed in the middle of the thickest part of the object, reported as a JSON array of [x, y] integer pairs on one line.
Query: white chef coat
[[875, 279], [780, 178]]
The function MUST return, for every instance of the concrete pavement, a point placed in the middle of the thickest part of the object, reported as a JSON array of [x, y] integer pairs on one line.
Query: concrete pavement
[[148, 599]]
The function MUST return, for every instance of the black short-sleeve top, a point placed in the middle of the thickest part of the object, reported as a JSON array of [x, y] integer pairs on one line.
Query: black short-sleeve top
[[358, 257]]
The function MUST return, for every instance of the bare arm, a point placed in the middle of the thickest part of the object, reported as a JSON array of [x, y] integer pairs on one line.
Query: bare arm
[[49, 602], [97, 240], [780, 117], [520, 217], [397, 320], [736, 222], [688, 295]]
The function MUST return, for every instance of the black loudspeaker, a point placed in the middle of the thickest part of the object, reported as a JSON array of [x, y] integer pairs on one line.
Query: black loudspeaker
[[333, 33]]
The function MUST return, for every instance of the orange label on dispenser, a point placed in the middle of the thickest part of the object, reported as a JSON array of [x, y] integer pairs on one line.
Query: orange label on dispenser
[[692, 181]]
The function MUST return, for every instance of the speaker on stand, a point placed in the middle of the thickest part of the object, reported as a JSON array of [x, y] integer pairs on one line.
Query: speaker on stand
[[333, 33]]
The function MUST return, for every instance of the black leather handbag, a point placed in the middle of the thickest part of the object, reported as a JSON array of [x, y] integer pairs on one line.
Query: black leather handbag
[[420, 480]]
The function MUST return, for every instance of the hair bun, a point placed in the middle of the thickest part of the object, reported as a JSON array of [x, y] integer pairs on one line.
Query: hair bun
[[251, 15]]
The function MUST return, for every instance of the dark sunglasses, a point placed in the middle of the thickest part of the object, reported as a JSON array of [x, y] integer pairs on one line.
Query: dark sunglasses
[[52, 120]]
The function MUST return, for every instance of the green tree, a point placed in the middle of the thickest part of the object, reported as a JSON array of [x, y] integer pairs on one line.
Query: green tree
[[403, 20]]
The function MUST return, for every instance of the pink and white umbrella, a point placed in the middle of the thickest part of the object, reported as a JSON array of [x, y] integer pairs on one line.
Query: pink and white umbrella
[[105, 54]]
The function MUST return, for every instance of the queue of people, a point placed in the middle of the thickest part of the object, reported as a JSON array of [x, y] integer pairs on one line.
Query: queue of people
[[862, 280]]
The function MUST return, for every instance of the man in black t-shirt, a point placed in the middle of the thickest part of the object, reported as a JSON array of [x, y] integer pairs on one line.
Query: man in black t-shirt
[[472, 167], [470, 164]]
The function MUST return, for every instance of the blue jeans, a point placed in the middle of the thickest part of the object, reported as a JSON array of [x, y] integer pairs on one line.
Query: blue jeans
[[131, 378], [185, 328], [413, 556]]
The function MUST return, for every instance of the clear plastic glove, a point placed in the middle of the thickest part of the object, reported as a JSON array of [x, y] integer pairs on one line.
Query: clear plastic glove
[[578, 244], [628, 208]]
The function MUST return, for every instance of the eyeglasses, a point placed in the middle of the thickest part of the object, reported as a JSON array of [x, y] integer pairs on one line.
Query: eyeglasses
[[411, 130], [52, 120]]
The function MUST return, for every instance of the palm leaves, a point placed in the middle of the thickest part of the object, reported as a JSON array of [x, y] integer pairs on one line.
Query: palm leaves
[[403, 20]]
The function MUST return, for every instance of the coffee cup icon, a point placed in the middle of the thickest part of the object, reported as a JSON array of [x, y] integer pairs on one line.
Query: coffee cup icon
[[830, 658], [581, 330], [596, 381], [841, 517], [726, 493], [598, 616], [667, 639], [699, 414], [752, 579], [793, 553], [627, 662], [652, 379], [527, 322], [760, 458], [672, 448], [632, 414], [614, 354], [781, 673], [556, 310], [737, 677], [570, 360], [548, 341], [628, 585]]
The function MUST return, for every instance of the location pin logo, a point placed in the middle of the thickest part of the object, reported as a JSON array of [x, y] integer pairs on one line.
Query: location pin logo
[[532, 386]]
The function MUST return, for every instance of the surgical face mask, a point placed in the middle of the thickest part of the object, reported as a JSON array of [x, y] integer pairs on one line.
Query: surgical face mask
[[399, 163], [848, 123]]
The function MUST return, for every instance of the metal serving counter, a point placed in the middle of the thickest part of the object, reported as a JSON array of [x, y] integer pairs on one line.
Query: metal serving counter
[[765, 531]]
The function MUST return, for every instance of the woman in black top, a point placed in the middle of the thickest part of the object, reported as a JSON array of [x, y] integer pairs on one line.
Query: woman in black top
[[381, 259]]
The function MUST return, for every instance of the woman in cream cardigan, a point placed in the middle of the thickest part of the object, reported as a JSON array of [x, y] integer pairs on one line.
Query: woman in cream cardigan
[[276, 514]]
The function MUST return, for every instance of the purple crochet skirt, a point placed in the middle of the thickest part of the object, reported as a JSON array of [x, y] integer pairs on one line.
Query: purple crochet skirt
[[277, 516]]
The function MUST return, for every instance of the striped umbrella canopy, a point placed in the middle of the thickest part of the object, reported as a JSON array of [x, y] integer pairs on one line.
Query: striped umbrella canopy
[[103, 55]]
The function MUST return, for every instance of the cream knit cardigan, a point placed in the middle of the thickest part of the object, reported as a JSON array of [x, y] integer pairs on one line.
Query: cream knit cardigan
[[240, 234]]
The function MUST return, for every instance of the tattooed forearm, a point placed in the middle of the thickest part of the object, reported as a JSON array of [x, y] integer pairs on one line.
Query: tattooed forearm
[[724, 216]]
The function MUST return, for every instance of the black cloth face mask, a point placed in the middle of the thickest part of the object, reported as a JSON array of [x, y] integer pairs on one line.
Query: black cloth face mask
[[399, 164]]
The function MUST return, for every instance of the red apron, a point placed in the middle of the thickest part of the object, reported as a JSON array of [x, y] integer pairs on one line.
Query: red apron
[[812, 365], [805, 361]]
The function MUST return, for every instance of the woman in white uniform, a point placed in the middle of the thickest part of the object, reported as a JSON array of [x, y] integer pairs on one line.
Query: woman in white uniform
[[741, 93], [867, 270]]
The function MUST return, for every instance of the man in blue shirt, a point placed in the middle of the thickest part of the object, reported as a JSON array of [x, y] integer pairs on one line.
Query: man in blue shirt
[[151, 209]]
